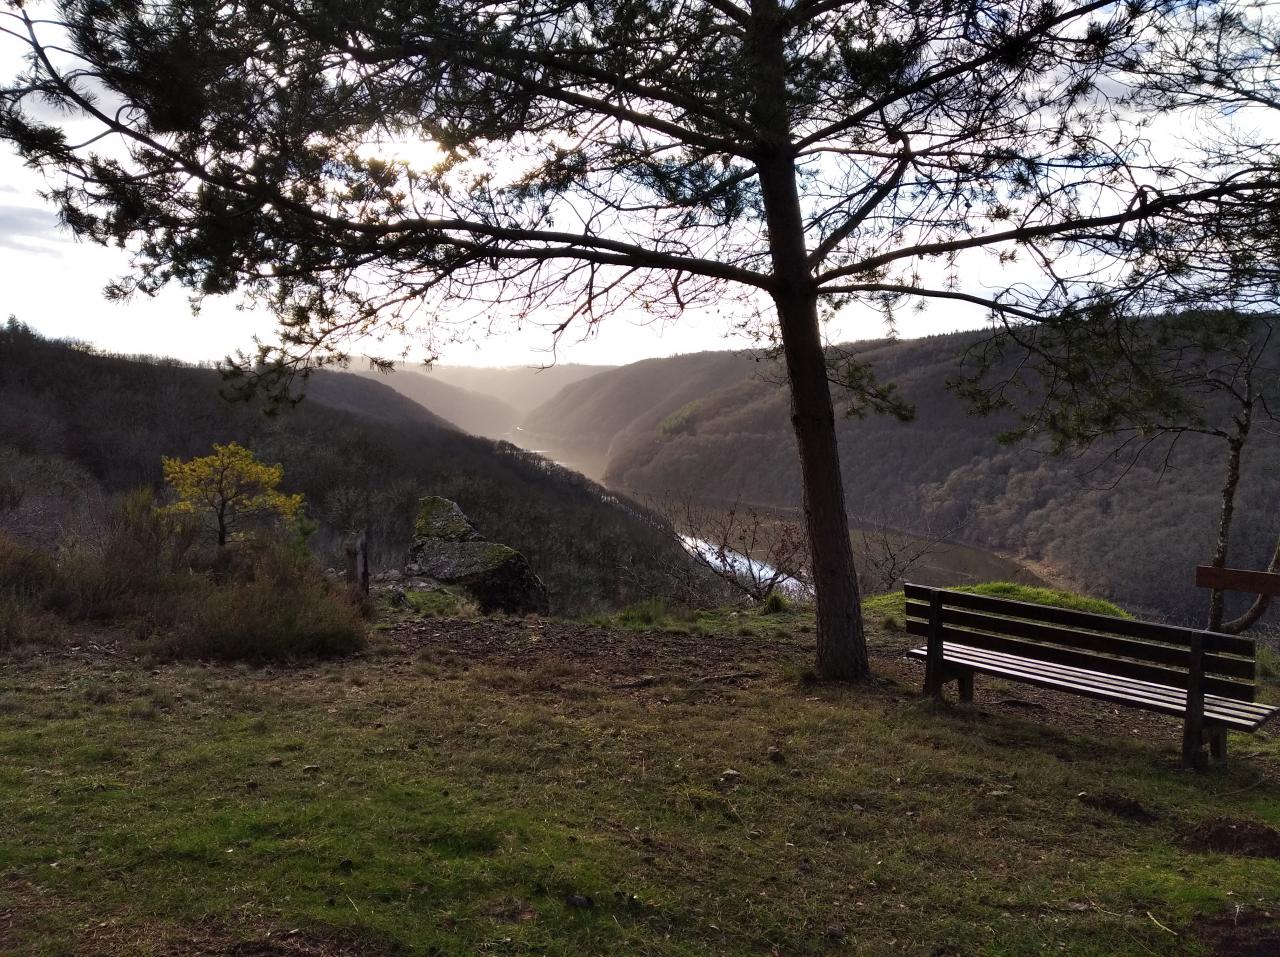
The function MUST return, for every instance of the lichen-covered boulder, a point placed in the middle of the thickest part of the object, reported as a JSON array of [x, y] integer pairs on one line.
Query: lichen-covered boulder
[[448, 549], [440, 518]]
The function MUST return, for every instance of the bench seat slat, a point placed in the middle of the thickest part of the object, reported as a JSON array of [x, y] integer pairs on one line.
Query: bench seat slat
[[1217, 710], [1070, 618], [1019, 669], [1164, 654], [1164, 693], [1155, 674], [1138, 694]]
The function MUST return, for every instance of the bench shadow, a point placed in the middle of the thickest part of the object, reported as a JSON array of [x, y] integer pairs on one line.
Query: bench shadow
[[1151, 754]]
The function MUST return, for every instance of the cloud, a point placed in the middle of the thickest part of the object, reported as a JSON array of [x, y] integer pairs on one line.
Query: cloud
[[29, 229]]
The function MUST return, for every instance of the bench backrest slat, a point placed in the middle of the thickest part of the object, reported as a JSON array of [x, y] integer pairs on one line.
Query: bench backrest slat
[[1107, 624], [1228, 666], [1120, 647], [1157, 674]]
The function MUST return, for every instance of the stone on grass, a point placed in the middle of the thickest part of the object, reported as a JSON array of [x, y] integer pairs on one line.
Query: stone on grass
[[448, 550]]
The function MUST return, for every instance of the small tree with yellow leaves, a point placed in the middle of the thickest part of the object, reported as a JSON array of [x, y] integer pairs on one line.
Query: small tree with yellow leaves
[[229, 488]]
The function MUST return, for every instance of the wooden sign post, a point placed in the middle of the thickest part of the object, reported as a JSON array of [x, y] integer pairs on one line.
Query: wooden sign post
[[1231, 579], [1238, 579]]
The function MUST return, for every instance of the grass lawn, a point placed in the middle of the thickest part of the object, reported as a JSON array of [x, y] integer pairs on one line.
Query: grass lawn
[[506, 787]]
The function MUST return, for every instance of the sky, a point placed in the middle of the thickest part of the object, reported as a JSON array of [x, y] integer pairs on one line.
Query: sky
[[54, 284]]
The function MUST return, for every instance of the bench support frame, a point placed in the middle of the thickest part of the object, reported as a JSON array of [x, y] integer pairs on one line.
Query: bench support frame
[[937, 672]]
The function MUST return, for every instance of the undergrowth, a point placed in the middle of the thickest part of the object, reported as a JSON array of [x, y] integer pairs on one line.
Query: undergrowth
[[440, 603], [260, 599]]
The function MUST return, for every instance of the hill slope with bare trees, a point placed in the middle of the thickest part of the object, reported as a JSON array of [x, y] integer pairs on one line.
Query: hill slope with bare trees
[[715, 426], [78, 429]]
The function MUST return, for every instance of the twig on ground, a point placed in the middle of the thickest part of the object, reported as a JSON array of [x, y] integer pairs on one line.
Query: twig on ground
[[644, 681], [1160, 925], [731, 676]]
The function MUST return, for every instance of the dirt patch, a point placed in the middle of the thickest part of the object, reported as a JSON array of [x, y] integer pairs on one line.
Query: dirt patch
[[632, 661], [1239, 935], [218, 941], [552, 655], [27, 911], [1119, 805], [293, 944], [1239, 837], [510, 910]]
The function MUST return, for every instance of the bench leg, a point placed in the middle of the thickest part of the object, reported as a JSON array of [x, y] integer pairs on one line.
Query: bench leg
[[1192, 744], [966, 685], [935, 666], [1193, 727], [1218, 744]]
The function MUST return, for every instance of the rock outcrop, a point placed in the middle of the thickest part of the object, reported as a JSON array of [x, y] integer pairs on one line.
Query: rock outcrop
[[446, 549]]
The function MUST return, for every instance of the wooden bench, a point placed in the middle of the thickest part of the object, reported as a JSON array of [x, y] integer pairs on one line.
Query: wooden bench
[[1205, 678]]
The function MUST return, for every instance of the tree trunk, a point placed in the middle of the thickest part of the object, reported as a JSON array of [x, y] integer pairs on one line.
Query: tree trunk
[[842, 647], [1226, 511]]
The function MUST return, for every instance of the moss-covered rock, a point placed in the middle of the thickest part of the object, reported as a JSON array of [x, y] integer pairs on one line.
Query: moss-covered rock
[[447, 549], [440, 518]]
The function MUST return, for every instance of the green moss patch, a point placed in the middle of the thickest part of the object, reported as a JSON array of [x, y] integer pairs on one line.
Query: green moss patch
[[1046, 596]]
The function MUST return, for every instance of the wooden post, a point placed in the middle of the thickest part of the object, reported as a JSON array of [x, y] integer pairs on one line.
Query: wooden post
[[966, 685], [362, 560], [349, 548], [1193, 726], [934, 668]]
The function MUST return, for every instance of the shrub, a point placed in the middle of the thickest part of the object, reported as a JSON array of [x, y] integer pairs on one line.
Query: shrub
[[22, 622], [267, 600], [139, 557], [775, 604], [25, 571], [26, 575], [86, 587], [273, 605], [147, 543], [644, 614]]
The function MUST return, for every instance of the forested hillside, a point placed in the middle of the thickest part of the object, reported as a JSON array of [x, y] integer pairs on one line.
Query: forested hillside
[[715, 425], [77, 428], [469, 411]]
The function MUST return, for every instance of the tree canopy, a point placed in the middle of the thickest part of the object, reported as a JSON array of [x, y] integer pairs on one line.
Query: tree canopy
[[778, 160], [228, 489]]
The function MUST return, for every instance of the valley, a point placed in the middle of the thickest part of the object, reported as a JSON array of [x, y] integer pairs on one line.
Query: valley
[[714, 426]]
